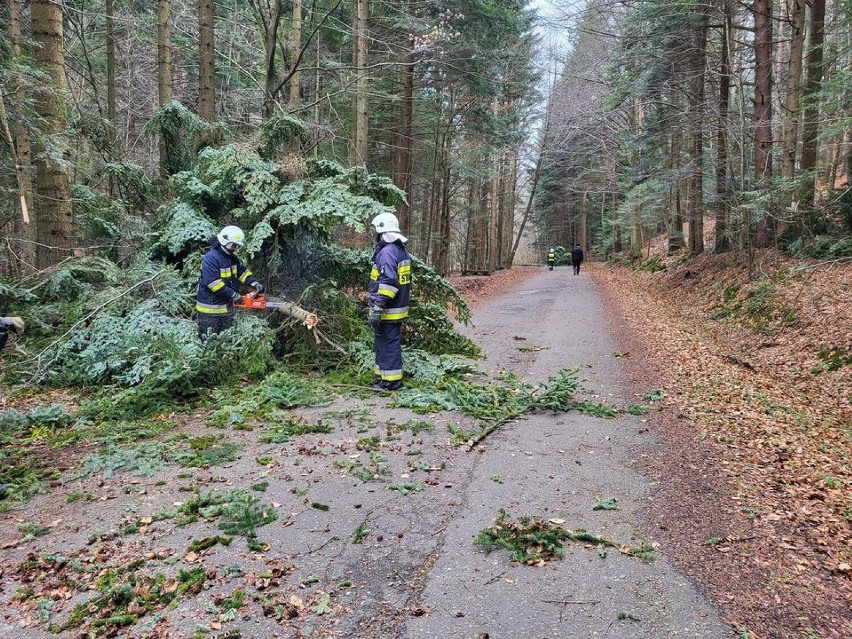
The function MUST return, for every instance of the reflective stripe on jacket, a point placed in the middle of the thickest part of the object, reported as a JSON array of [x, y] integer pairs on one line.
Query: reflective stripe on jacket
[[390, 281], [221, 275]]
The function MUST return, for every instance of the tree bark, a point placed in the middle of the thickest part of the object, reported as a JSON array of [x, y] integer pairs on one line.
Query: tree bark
[[23, 242], [360, 29], [695, 207], [164, 53], [206, 60], [792, 104], [722, 242], [406, 137], [296, 44], [810, 129], [675, 240], [110, 52], [53, 211], [761, 10]]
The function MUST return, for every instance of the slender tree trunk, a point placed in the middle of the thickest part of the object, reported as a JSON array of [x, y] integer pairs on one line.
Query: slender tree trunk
[[792, 99], [296, 43], [206, 60], [676, 240], [810, 129], [110, 63], [696, 124], [762, 11], [763, 91], [23, 244], [164, 53], [406, 137], [53, 210], [362, 12], [722, 242]]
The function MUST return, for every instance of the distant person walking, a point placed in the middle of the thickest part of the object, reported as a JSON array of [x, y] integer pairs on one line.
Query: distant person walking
[[551, 258], [576, 259]]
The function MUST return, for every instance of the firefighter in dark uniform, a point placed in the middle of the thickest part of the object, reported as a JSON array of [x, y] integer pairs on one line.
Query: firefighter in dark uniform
[[387, 296], [221, 276], [551, 258]]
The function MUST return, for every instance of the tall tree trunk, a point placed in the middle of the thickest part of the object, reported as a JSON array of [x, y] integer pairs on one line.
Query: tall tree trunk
[[406, 136], [361, 20], [269, 18], [164, 53], [762, 11], [296, 44], [110, 62], [696, 123], [762, 91], [810, 129], [722, 242], [165, 85], [792, 99], [792, 104], [206, 60], [23, 244], [676, 240], [53, 211]]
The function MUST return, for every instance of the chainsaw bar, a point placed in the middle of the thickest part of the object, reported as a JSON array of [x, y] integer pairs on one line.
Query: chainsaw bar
[[255, 302]]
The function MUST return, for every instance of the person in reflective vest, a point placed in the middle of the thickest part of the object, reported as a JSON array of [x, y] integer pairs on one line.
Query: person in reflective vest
[[387, 296], [221, 276], [551, 258]]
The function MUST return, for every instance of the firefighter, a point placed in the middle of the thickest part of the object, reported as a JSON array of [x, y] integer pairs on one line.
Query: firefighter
[[10, 325], [387, 296], [551, 258], [221, 276]]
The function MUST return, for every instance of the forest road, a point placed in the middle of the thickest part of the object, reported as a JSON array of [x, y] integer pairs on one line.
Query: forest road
[[377, 515], [557, 466]]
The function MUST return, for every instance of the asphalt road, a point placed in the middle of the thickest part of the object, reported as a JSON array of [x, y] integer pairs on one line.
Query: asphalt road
[[556, 466], [350, 557]]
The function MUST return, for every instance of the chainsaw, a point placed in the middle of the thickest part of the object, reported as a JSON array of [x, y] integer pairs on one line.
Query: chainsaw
[[257, 302]]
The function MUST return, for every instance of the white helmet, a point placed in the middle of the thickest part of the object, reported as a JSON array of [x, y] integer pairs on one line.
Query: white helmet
[[385, 223], [231, 235]]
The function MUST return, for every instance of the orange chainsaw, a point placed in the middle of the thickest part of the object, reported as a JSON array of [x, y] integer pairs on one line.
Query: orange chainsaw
[[255, 301]]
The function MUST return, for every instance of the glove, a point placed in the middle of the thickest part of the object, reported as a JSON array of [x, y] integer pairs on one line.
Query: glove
[[258, 287], [374, 318], [236, 297], [14, 324]]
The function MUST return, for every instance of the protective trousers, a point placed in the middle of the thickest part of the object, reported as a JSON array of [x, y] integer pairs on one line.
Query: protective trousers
[[214, 323], [388, 346]]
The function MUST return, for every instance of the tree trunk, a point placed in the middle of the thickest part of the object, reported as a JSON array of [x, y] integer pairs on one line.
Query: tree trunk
[[53, 211], [675, 240], [406, 138], [810, 129], [164, 53], [110, 62], [762, 91], [296, 44], [361, 19], [23, 242], [722, 242], [206, 60], [792, 103], [696, 123]]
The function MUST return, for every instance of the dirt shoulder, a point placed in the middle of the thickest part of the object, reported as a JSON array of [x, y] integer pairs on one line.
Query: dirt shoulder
[[754, 452]]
